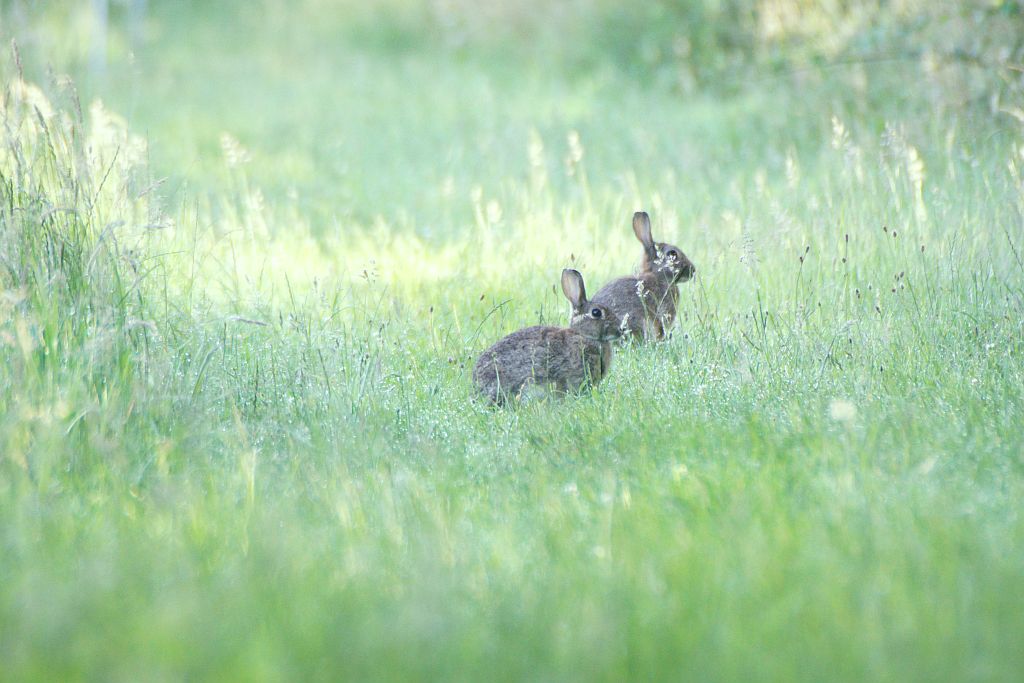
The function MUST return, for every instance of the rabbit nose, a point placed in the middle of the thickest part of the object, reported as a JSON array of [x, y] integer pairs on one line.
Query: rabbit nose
[[689, 269]]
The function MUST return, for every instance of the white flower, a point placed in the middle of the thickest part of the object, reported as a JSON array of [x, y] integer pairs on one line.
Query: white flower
[[842, 410]]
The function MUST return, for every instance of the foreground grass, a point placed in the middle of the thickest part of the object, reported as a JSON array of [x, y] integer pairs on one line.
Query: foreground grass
[[239, 438]]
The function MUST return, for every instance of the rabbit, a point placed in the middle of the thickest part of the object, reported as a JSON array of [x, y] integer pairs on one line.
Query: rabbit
[[565, 359], [646, 303]]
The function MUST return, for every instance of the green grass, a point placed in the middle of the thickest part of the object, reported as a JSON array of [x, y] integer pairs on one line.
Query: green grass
[[237, 428]]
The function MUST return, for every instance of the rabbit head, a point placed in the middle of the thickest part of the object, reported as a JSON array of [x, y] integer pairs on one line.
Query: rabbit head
[[590, 319], [666, 261]]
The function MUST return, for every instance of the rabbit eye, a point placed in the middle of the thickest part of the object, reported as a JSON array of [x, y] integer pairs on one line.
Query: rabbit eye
[[674, 254], [595, 312]]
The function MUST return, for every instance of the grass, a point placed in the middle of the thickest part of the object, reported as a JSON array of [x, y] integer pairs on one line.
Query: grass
[[238, 432]]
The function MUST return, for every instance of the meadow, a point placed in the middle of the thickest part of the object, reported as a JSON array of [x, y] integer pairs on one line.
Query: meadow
[[248, 258]]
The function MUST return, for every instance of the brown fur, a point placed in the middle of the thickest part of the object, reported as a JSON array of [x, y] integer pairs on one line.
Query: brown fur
[[553, 358], [646, 303]]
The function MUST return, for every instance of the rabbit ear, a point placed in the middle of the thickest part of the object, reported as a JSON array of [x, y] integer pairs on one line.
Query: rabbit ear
[[572, 285], [642, 228]]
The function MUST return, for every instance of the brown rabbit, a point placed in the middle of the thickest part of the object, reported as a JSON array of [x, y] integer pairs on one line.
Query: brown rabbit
[[559, 358], [646, 303]]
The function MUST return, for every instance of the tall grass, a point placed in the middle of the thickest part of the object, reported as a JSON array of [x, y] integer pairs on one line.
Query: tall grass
[[238, 433]]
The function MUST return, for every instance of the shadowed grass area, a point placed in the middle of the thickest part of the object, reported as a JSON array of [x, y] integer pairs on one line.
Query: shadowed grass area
[[237, 429]]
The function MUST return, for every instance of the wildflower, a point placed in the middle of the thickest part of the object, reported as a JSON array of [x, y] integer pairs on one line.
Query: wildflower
[[234, 153], [842, 410], [575, 155]]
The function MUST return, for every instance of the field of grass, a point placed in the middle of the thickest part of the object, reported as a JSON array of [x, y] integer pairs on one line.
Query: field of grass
[[240, 301]]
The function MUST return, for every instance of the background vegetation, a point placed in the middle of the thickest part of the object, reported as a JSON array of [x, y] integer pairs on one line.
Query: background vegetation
[[248, 252]]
